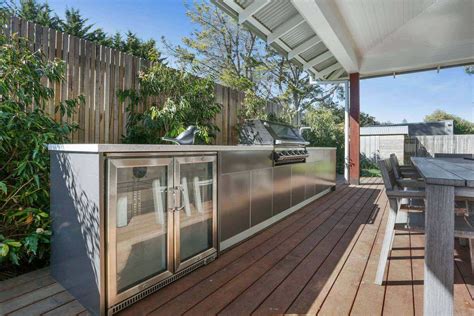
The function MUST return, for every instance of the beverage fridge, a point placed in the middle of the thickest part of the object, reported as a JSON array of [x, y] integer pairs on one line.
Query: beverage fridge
[[161, 220]]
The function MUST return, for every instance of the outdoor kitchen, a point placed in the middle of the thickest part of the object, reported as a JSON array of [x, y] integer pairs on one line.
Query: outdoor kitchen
[[130, 219]]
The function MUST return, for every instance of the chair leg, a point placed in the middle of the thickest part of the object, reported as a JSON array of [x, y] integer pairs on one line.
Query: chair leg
[[387, 241], [471, 252]]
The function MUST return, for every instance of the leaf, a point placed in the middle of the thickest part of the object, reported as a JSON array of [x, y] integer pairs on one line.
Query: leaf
[[4, 249], [31, 243], [12, 243], [36, 180], [14, 258], [3, 187]]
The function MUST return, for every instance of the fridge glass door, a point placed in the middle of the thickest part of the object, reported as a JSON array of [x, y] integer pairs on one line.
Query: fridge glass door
[[139, 223], [195, 215]]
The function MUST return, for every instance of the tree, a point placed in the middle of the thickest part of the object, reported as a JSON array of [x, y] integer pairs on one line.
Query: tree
[[37, 12], [469, 70], [327, 130], [461, 126], [75, 24], [220, 49], [223, 50]]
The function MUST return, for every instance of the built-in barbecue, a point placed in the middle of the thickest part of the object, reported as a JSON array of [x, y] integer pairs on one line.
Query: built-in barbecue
[[289, 145]]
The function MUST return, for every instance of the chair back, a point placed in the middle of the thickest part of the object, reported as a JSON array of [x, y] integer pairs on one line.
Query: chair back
[[388, 175], [395, 166], [443, 155]]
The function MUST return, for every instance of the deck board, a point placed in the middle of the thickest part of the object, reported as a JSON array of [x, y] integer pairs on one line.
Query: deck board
[[255, 285], [321, 259]]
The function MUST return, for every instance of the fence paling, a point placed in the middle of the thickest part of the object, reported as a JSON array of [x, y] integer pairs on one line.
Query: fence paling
[[98, 73]]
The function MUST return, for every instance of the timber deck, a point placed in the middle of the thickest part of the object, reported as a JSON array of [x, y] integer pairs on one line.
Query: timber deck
[[321, 259]]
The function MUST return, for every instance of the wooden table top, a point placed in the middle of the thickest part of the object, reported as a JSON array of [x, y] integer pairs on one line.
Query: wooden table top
[[446, 171]]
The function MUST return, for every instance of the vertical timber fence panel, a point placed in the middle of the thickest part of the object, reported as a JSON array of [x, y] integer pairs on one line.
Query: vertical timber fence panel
[[97, 73]]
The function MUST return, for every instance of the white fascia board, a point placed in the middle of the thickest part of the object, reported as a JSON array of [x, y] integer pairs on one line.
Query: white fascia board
[[328, 24]]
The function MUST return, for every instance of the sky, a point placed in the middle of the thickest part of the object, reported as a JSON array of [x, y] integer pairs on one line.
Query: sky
[[388, 99]]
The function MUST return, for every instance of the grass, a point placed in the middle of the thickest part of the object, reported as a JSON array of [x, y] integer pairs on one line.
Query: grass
[[370, 172]]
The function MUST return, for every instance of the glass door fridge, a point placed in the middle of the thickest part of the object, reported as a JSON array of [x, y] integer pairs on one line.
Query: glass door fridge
[[195, 219], [139, 225], [161, 221]]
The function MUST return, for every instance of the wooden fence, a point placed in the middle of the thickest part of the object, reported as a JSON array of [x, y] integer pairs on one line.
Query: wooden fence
[[427, 146], [375, 147], [98, 72]]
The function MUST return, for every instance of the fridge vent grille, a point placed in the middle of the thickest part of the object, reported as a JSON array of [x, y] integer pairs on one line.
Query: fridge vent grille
[[160, 285]]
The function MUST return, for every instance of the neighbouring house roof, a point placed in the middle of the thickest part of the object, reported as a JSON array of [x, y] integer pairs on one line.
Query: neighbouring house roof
[[384, 130], [410, 129], [331, 38]]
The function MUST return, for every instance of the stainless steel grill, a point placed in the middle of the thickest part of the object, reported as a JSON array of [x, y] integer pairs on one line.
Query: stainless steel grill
[[288, 144]]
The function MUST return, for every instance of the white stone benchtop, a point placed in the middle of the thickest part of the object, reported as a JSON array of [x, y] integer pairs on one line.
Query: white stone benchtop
[[104, 148]]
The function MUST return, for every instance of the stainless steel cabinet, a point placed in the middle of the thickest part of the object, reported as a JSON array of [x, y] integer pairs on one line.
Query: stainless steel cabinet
[[161, 219]]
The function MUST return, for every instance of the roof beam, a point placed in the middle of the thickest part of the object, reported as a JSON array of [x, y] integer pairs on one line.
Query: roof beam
[[337, 74], [317, 60], [256, 6], [328, 70], [264, 30], [285, 28], [325, 19], [303, 47]]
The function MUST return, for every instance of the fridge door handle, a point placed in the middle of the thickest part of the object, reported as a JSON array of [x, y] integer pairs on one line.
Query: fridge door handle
[[176, 191]]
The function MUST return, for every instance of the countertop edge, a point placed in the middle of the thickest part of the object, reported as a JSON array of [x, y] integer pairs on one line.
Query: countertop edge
[[109, 148]]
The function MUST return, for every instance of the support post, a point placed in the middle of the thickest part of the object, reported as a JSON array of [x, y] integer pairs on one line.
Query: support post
[[354, 128], [346, 134]]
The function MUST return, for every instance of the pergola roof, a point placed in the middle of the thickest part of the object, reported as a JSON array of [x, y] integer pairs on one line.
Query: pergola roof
[[331, 38]]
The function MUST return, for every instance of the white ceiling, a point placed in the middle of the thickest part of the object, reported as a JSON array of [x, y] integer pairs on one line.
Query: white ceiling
[[370, 21]]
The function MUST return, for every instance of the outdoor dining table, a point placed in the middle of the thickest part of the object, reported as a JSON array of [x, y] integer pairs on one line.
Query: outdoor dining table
[[446, 179]]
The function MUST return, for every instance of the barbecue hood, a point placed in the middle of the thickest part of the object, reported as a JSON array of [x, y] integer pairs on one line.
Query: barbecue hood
[[260, 132], [288, 144]]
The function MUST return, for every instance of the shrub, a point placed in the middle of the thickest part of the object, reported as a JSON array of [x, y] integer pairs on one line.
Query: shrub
[[325, 132], [177, 100], [24, 160]]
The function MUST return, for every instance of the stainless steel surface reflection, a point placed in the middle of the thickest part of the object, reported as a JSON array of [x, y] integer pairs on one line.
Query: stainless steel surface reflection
[[252, 192]]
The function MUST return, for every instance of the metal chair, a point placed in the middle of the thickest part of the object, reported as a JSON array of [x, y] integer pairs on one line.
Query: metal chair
[[464, 225], [185, 138]]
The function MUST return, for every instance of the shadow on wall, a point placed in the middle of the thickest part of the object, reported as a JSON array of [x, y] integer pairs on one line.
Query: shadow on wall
[[75, 253]]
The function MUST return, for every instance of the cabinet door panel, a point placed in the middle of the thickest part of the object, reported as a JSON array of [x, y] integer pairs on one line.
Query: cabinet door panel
[[139, 223], [195, 217]]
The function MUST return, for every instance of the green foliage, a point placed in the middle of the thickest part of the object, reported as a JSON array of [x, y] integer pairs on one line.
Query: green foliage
[[177, 100], [253, 107], [24, 158], [75, 24], [368, 167], [326, 131], [37, 12], [469, 69], [461, 126]]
